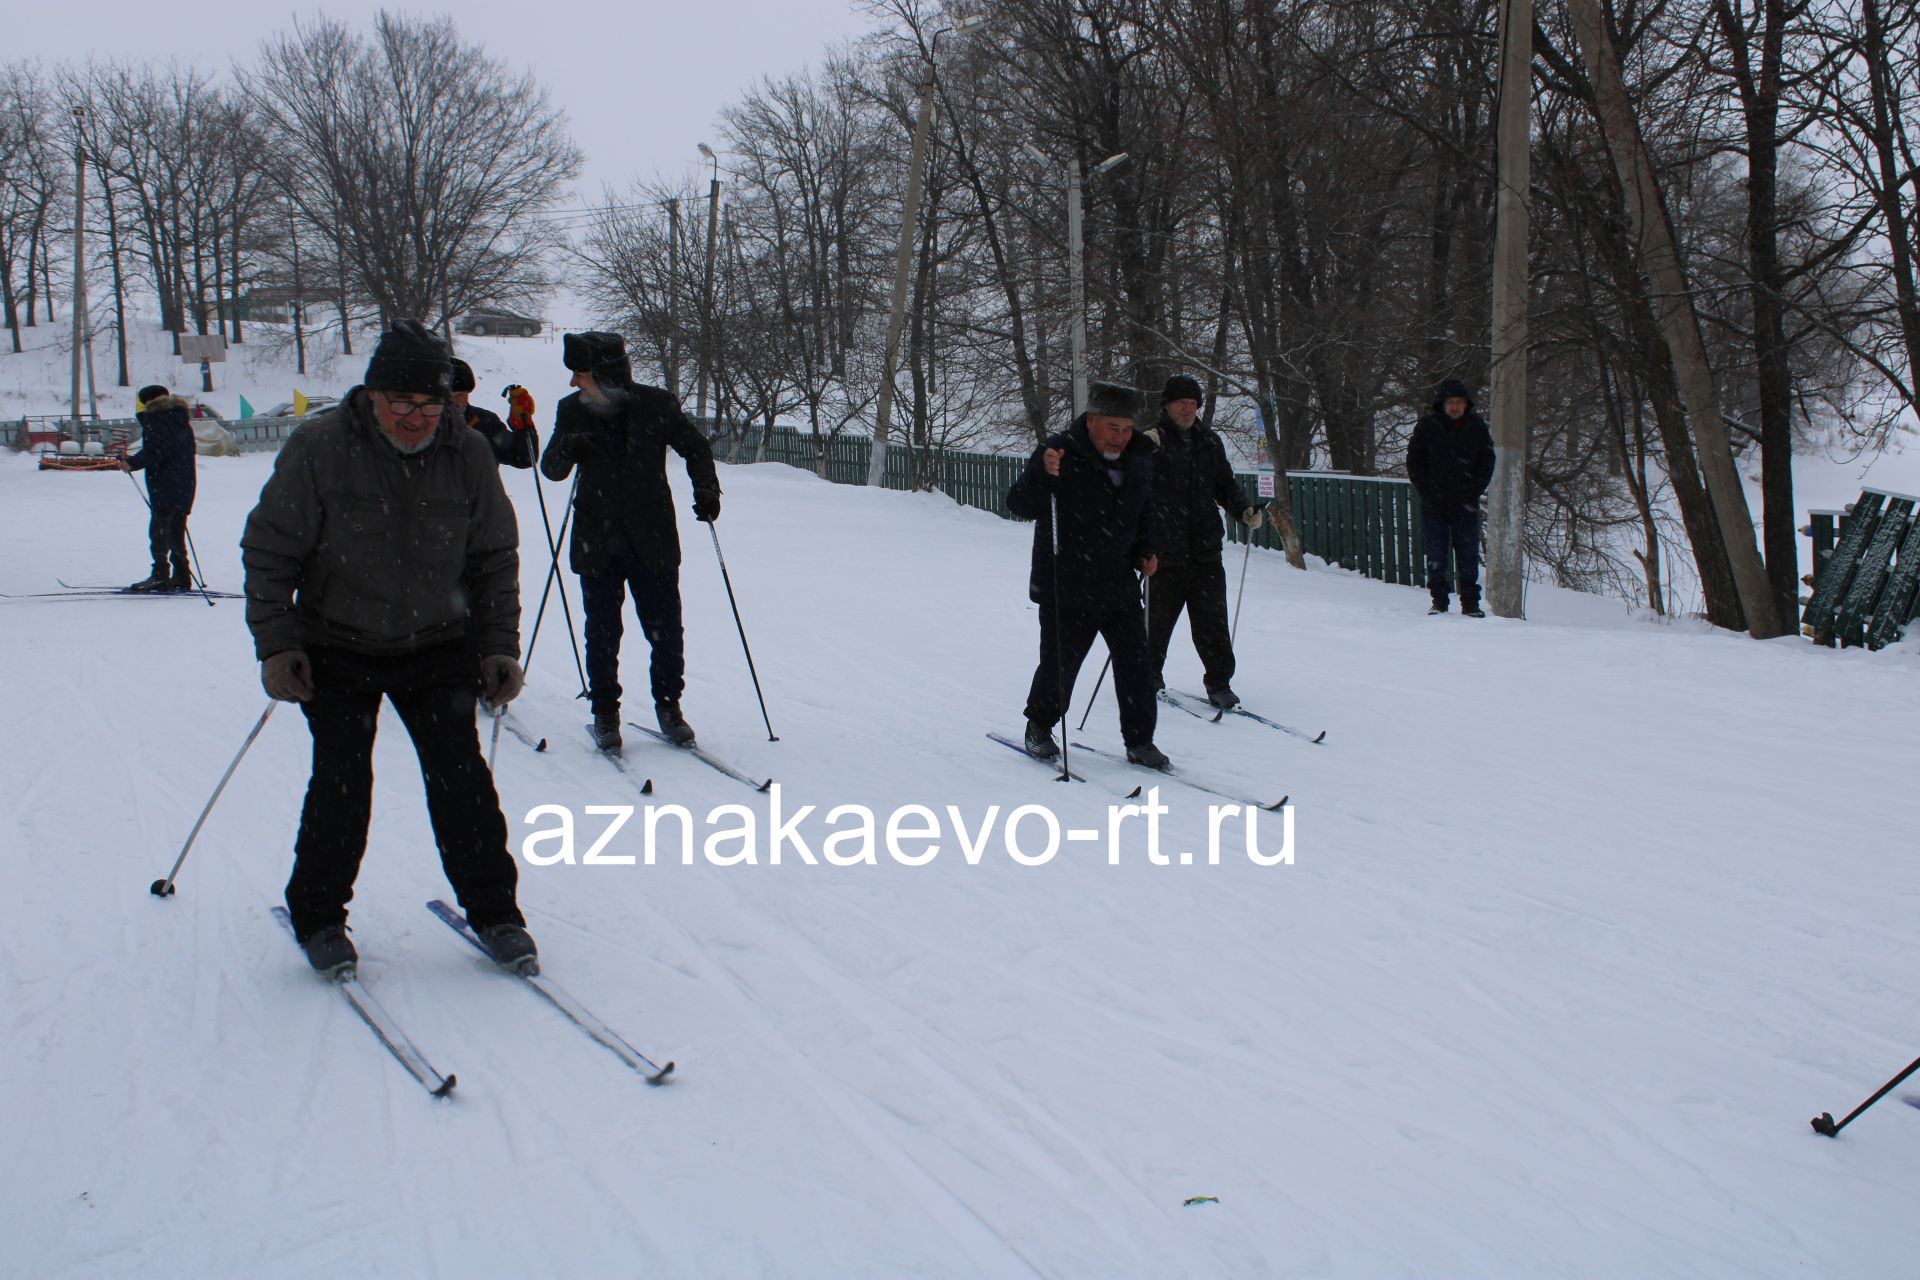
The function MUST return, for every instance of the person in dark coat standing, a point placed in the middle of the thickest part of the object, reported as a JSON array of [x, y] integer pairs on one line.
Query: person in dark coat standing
[[383, 561], [1450, 461], [1192, 483], [167, 456], [624, 536], [1095, 480], [512, 446]]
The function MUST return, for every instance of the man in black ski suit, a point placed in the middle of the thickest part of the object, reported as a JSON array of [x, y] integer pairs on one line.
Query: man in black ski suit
[[624, 536], [1450, 461], [1191, 477], [166, 455], [383, 561], [1095, 480], [511, 448]]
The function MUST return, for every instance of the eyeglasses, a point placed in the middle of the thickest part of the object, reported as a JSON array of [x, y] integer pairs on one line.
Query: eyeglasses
[[407, 408]]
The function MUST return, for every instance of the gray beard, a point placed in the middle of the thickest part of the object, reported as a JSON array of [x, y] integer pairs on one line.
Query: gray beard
[[408, 450], [1110, 457]]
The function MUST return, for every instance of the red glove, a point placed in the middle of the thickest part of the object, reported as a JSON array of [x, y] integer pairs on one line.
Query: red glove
[[519, 408]]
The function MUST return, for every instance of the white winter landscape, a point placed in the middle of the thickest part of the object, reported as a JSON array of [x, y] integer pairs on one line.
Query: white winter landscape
[[1584, 917]]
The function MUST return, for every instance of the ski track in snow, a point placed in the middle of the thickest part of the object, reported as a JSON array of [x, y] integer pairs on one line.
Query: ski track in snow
[[1587, 917]]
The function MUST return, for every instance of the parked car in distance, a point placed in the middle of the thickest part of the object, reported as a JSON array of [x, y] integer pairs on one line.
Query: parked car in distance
[[314, 405], [482, 321]]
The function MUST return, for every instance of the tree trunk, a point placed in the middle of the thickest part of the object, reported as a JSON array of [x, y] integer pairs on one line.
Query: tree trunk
[[1660, 260]]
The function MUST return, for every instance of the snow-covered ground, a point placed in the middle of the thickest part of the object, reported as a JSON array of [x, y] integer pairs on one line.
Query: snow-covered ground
[[1586, 916]]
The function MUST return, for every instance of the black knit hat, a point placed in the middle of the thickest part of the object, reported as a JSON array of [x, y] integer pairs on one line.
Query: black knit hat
[[462, 375], [1112, 400], [1181, 387], [604, 355], [148, 394], [410, 358], [1453, 387]]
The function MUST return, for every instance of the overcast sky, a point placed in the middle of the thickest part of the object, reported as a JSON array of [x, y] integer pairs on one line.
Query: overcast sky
[[641, 83]]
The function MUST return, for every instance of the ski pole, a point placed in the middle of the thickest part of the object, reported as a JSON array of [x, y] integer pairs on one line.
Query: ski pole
[[1059, 629], [741, 627], [1233, 633], [553, 572], [1146, 588], [566, 610], [164, 888], [1823, 1123]]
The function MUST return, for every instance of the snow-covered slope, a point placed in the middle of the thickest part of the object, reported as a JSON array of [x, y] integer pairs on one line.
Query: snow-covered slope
[[1586, 916]]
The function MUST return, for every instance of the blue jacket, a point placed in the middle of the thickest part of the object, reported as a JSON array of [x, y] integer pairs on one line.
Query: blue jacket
[[166, 454]]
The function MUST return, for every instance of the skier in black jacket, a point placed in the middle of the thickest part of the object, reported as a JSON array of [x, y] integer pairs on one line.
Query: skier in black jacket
[[1096, 478], [511, 448], [167, 456], [1450, 461], [624, 536], [1192, 477]]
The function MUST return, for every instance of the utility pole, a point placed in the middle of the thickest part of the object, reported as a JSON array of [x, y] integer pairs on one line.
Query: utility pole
[[673, 297], [79, 260], [1507, 498], [1077, 286], [903, 257], [706, 284]]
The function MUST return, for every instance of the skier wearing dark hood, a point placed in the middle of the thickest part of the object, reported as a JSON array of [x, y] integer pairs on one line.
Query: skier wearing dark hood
[[1450, 461], [167, 456]]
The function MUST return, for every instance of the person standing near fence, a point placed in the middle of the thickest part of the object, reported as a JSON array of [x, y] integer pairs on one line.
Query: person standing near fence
[[167, 456], [1094, 483], [1191, 477], [624, 535], [1450, 461]]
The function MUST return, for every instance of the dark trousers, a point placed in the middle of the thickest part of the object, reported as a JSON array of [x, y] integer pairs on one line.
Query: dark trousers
[[1461, 535], [167, 537], [1064, 648], [1201, 590], [434, 692], [656, 600]]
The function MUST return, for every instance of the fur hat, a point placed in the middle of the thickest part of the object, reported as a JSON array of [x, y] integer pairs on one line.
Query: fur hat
[[1181, 387], [148, 395], [604, 355], [1112, 400], [411, 359], [462, 375]]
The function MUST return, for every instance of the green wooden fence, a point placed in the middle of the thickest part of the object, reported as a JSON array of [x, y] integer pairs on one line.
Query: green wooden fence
[[1368, 524]]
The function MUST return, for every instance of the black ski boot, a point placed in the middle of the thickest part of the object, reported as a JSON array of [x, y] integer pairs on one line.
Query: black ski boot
[[1149, 755], [179, 584], [330, 951], [1438, 606], [511, 947], [606, 731], [1223, 697], [1472, 610], [673, 724], [155, 581], [1040, 744]]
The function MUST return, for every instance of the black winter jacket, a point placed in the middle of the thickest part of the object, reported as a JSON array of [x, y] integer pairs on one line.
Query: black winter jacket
[[1191, 478], [1450, 463], [624, 505], [1105, 528], [166, 454], [510, 448], [356, 545]]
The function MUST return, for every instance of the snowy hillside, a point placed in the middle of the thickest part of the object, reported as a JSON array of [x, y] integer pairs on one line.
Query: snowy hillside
[[1585, 918]]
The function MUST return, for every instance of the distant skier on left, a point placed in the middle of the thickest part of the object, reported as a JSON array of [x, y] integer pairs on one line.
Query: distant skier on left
[[166, 455], [382, 560]]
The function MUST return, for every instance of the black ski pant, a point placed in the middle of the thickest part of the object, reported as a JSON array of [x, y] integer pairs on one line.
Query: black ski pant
[[1461, 535], [1201, 590], [656, 601], [1064, 641], [434, 691], [167, 538]]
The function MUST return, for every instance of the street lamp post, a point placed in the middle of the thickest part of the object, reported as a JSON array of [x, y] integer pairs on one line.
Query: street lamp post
[[903, 258], [706, 284], [1077, 266]]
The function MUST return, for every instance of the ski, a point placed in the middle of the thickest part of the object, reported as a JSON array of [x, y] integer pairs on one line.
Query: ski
[[701, 754], [1193, 707], [1010, 744], [1183, 779], [619, 762], [381, 1023], [109, 589], [102, 593], [551, 991], [511, 723]]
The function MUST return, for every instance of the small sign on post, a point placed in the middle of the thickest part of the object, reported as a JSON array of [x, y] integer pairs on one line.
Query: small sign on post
[[198, 348]]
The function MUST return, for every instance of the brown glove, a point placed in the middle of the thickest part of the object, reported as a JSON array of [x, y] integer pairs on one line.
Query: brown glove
[[287, 676], [500, 679]]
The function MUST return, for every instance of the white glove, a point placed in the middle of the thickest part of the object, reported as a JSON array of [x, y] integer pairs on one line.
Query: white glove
[[1255, 517]]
